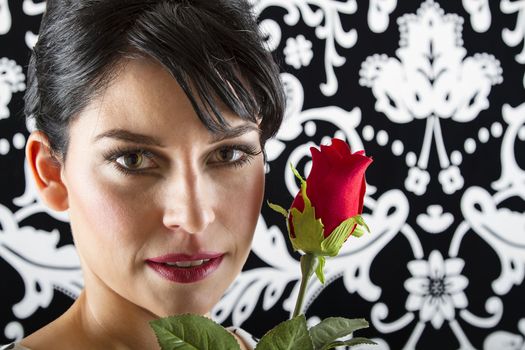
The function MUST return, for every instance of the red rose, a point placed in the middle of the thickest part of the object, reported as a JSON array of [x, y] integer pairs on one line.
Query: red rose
[[336, 185]]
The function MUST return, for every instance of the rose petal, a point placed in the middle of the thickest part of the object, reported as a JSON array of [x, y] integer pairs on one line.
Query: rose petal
[[331, 154], [342, 148], [338, 194], [320, 169], [362, 197]]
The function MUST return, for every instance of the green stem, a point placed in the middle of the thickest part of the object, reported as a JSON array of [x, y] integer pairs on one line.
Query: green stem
[[308, 262]]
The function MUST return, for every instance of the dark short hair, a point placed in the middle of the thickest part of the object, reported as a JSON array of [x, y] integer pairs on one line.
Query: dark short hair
[[213, 48]]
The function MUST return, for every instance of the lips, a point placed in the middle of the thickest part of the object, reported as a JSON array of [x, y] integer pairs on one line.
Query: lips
[[183, 268]]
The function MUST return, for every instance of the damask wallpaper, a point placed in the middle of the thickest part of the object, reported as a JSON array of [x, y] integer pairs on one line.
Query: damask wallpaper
[[433, 90]]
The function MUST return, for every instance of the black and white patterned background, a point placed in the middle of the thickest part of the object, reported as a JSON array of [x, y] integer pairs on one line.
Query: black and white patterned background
[[433, 90]]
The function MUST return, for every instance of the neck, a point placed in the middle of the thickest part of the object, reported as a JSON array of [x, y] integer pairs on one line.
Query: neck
[[103, 319], [108, 321]]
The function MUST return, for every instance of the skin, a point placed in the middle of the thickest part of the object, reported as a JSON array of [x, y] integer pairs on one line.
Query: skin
[[188, 199]]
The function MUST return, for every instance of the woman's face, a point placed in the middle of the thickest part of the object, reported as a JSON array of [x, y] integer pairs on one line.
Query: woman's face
[[151, 191]]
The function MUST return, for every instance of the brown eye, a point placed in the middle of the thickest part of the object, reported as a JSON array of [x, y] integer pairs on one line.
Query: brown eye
[[227, 155], [233, 155], [131, 160]]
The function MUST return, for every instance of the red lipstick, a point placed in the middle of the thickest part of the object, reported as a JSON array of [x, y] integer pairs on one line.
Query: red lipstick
[[184, 268]]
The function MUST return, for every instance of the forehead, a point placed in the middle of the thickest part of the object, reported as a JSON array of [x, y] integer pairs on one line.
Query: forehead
[[144, 97]]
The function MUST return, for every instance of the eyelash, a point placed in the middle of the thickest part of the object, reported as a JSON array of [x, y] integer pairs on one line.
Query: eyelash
[[112, 155]]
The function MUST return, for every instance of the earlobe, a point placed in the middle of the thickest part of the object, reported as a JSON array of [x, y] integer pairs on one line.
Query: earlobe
[[46, 170]]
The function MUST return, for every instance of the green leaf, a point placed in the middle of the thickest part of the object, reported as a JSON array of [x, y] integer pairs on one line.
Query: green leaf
[[278, 209], [319, 271], [333, 243], [333, 328], [192, 332], [287, 335], [349, 343]]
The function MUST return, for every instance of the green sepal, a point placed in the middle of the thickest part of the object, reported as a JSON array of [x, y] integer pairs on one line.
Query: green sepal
[[288, 335], [359, 219], [308, 231], [278, 208], [192, 332], [349, 343], [329, 330], [358, 231], [297, 175], [333, 243], [319, 271]]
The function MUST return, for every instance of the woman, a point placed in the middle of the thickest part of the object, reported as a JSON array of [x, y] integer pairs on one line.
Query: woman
[[151, 118]]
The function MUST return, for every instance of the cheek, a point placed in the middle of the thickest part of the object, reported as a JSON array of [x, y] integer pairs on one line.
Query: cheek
[[240, 205], [103, 216]]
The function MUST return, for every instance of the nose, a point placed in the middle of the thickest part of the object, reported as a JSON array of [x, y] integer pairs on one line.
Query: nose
[[189, 204]]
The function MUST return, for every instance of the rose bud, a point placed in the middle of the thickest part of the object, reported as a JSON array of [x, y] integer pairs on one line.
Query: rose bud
[[327, 209]]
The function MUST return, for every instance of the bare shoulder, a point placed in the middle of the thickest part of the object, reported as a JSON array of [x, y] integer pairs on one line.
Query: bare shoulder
[[59, 334]]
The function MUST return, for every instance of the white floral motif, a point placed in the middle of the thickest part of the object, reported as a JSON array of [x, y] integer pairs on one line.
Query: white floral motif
[[502, 340], [512, 179], [517, 35], [451, 179], [379, 14], [479, 12], [436, 288], [5, 17], [417, 181], [432, 79], [327, 23], [298, 52], [502, 229], [11, 81], [435, 220], [42, 266]]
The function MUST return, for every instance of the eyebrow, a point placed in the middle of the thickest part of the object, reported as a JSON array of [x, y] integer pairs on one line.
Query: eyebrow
[[129, 136], [234, 132], [126, 135]]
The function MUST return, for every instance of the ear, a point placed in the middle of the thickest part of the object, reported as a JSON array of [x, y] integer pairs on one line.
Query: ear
[[47, 172]]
